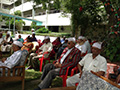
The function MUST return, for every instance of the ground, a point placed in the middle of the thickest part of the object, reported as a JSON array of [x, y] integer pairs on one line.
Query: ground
[[32, 79]]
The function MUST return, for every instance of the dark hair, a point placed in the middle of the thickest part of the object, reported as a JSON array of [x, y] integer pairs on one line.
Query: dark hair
[[58, 39], [29, 38]]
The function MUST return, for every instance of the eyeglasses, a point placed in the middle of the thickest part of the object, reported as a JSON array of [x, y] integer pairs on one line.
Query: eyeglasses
[[68, 43]]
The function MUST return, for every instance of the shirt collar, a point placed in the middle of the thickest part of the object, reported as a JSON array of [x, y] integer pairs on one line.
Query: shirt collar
[[96, 58]]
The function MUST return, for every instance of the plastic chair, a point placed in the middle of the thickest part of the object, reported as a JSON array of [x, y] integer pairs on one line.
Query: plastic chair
[[43, 59], [64, 77], [74, 71]]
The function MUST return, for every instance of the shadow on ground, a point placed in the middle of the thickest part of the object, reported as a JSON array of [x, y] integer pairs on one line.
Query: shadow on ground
[[32, 79]]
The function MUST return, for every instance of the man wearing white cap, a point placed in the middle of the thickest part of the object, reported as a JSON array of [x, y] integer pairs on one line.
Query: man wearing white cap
[[7, 43], [13, 60], [81, 45], [69, 57], [46, 47], [91, 62]]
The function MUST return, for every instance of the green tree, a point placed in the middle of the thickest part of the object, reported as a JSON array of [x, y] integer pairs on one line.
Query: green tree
[[18, 22], [91, 14], [88, 16], [33, 25]]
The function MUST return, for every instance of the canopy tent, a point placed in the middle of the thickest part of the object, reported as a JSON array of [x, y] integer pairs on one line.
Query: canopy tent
[[19, 17], [15, 16]]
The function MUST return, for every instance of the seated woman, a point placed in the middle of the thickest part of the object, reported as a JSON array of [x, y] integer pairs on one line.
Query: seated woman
[[7, 44], [28, 45]]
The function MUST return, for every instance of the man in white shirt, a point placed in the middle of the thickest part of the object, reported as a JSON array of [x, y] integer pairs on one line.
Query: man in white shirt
[[81, 45], [46, 47], [1, 42], [13, 60], [1, 38], [87, 45], [91, 62]]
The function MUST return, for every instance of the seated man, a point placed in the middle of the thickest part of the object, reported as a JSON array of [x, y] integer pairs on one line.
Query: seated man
[[46, 47], [7, 43], [33, 38], [81, 45], [20, 38], [13, 60], [69, 57], [115, 77], [1, 42], [94, 62], [60, 50], [118, 77]]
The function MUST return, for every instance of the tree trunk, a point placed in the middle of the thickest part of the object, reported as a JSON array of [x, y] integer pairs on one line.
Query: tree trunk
[[113, 15]]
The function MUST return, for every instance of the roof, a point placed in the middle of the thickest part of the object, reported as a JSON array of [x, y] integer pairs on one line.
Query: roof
[[15, 16]]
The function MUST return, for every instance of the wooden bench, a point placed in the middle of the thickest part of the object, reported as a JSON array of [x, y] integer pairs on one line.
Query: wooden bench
[[17, 73], [61, 88]]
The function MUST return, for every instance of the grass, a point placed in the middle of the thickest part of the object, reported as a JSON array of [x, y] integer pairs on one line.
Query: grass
[[32, 79], [53, 34]]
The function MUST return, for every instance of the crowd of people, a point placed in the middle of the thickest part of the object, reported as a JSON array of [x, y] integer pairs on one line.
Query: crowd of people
[[68, 52]]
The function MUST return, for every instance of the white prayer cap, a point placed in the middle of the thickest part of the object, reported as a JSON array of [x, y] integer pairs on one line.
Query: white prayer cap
[[18, 43], [97, 45], [47, 37], [33, 29], [71, 39], [33, 32], [81, 37]]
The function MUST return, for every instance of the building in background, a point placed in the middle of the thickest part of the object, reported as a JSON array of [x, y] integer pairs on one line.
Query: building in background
[[54, 20]]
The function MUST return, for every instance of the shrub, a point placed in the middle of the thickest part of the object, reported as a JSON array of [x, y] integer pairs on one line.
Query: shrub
[[42, 30], [112, 48]]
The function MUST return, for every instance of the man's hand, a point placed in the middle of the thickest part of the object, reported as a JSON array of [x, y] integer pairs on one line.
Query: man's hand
[[3, 60], [80, 74], [40, 53], [57, 65]]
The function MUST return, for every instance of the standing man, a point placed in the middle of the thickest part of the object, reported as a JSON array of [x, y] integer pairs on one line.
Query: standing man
[[91, 62], [69, 57]]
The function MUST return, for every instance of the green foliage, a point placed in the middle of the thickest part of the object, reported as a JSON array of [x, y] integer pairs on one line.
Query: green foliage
[[18, 12], [55, 5], [42, 30], [0, 18], [33, 25], [112, 48], [18, 22]]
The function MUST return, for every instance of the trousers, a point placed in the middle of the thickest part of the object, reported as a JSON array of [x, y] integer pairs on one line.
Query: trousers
[[49, 73]]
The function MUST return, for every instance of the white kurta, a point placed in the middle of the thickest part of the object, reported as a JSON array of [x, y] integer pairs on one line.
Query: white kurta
[[82, 48], [1, 40], [88, 46], [97, 64], [13, 60], [46, 48]]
